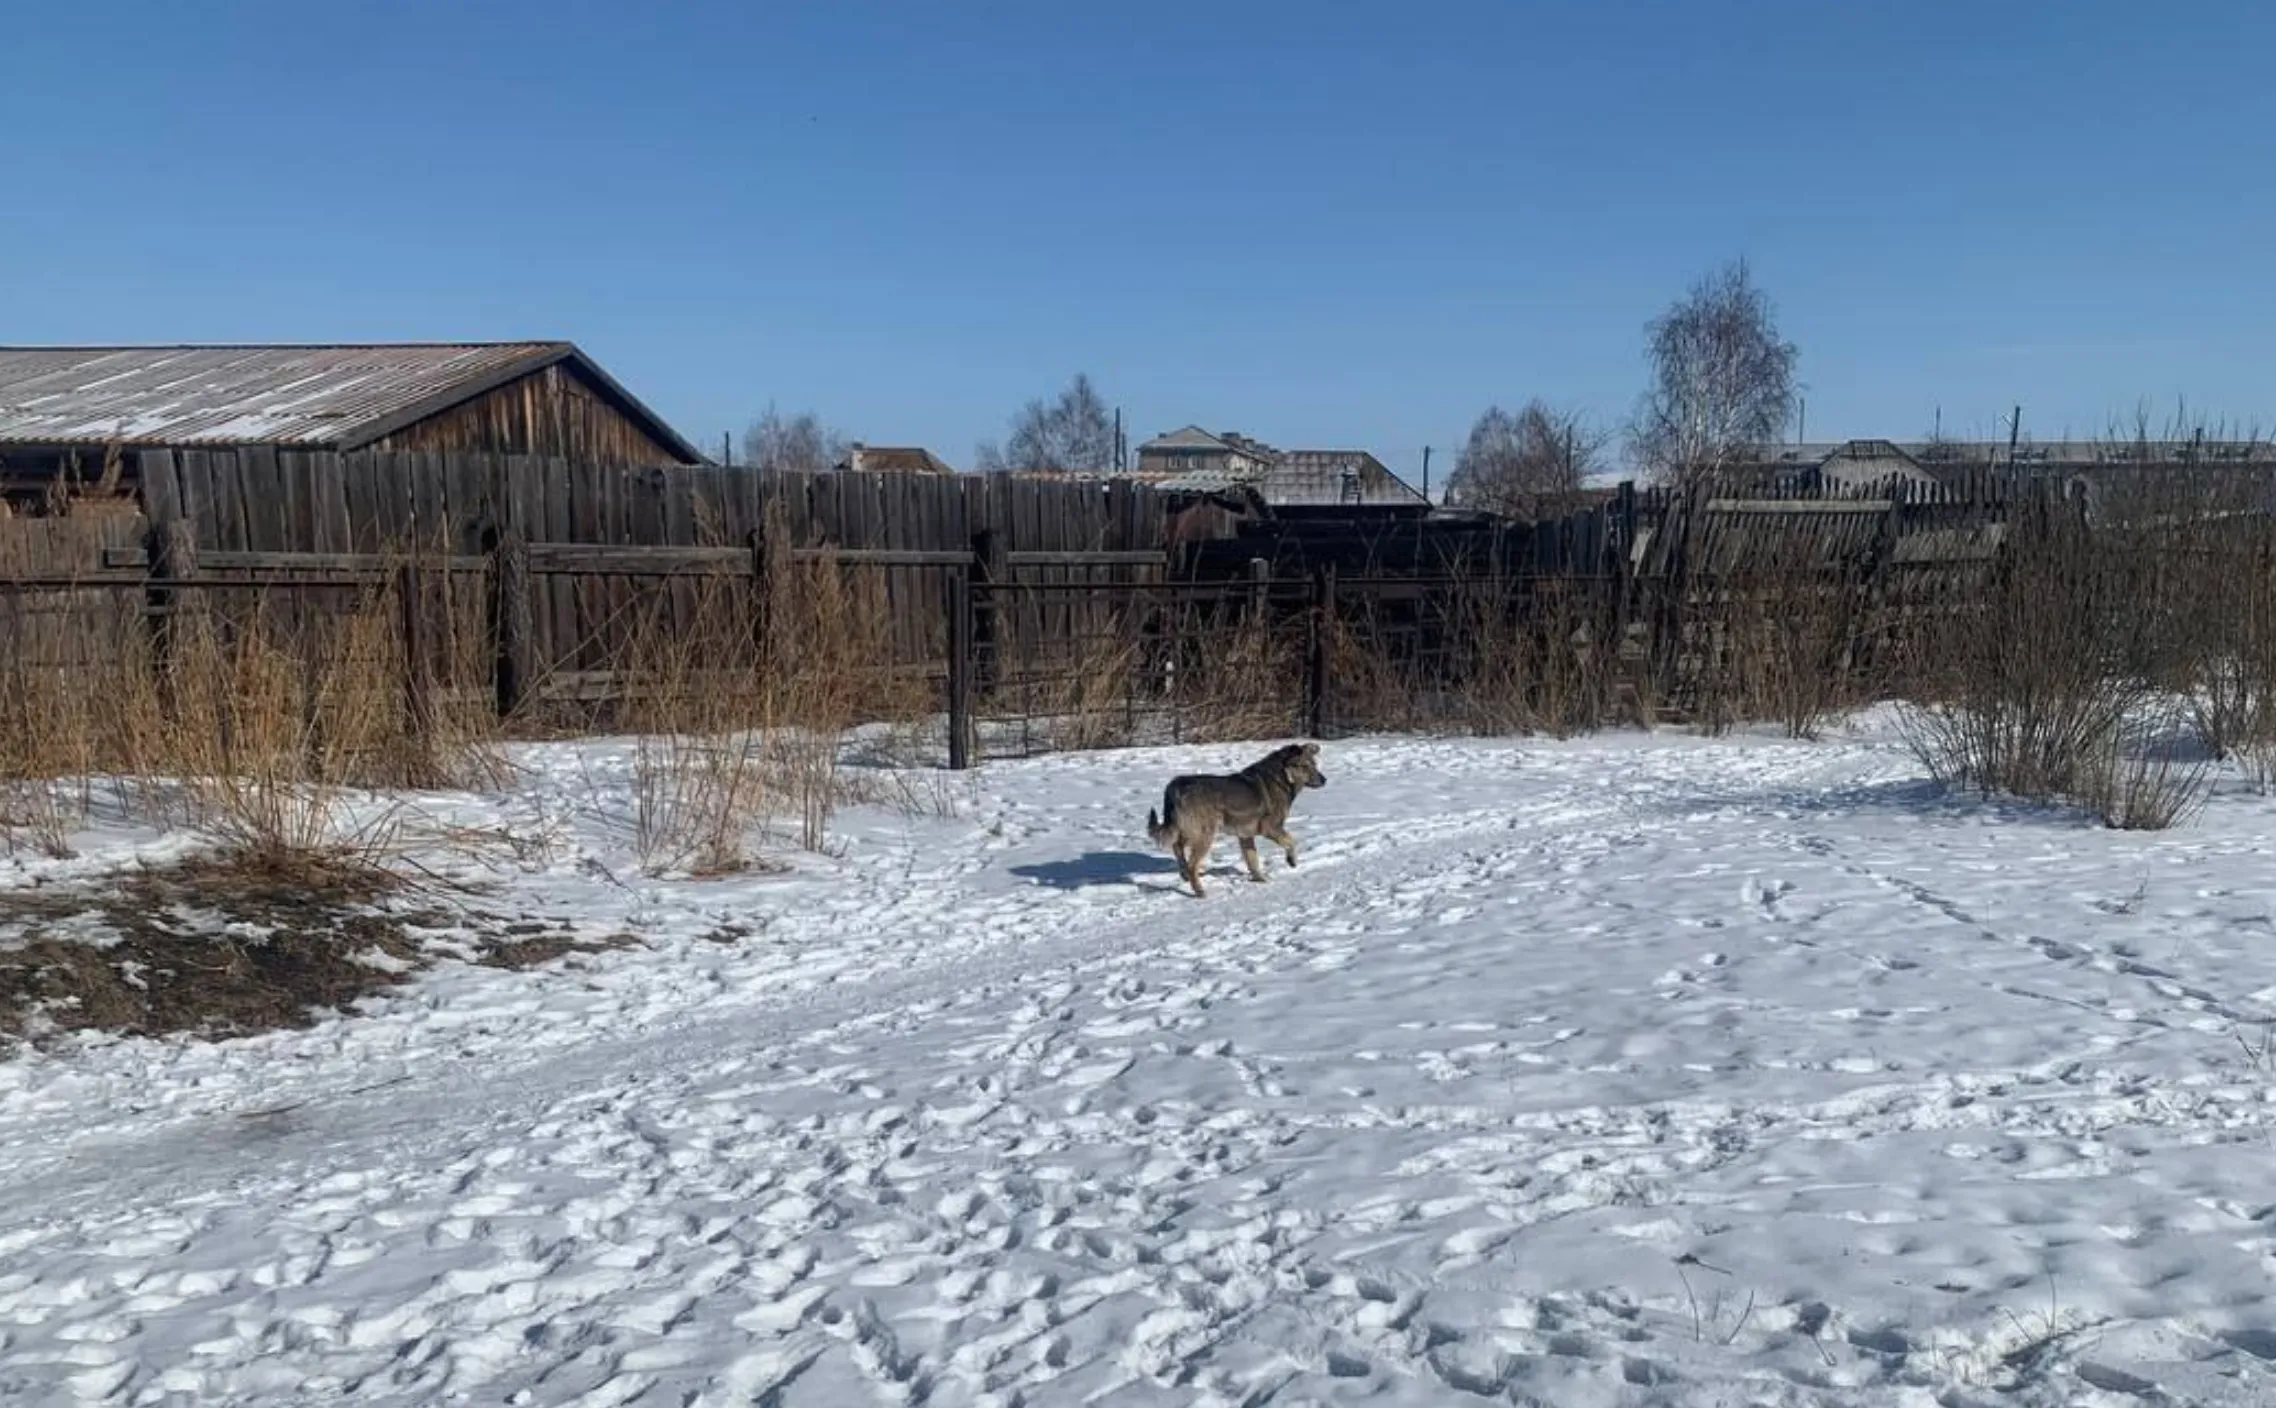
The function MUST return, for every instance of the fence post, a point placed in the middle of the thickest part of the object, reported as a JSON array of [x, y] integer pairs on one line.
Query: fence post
[[991, 570], [959, 670], [762, 595], [1323, 617], [511, 623], [418, 665], [173, 556], [1260, 586]]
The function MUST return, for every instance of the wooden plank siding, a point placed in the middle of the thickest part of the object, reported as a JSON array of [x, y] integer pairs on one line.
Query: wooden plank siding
[[898, 537], [551, 412]]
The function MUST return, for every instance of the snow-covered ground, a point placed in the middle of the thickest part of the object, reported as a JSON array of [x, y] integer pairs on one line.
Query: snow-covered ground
[[1630, 1070]]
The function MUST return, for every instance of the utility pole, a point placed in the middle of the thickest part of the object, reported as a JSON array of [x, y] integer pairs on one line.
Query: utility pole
[[2014, 433], [727, 450], [1426, 474], [1802, 420], [1118, 464]]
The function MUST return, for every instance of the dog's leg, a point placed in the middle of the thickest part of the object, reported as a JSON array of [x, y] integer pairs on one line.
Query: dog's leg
[[1286, 842], [1197, 851], [1249, 855]]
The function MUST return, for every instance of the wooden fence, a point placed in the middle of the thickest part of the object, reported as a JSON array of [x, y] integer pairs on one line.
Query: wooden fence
[[576, 562], [1006, 596]]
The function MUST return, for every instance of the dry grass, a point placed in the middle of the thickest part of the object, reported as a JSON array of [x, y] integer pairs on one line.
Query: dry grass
[[1240, 680], [735, 731], [265, 725]]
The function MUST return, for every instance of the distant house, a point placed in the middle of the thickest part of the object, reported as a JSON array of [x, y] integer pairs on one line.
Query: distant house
[[1198, 461], [1194, 452], [862, 458], [68, 410], [1867, 466], [1855, 462]]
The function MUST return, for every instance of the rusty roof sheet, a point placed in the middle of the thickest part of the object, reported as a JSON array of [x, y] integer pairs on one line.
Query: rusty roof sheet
[[334, 396]]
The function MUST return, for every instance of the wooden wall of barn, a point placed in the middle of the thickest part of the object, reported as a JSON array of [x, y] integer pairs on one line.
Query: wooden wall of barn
[[552, 411]]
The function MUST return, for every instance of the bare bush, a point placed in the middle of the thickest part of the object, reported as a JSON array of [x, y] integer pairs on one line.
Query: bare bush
[[2035, 696], [1785, 632], [2149, 778]]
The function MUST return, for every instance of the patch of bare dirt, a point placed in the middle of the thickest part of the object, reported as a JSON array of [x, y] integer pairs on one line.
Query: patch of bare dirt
[[529, 943], [221, 949]]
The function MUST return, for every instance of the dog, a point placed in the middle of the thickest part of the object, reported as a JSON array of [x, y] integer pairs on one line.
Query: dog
[[1250, 803]]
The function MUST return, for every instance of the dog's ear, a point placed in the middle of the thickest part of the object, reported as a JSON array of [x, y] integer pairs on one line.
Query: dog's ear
[[1310, 750]]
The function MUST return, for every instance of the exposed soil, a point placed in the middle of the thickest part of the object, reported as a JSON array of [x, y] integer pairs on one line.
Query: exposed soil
[[221, 949]]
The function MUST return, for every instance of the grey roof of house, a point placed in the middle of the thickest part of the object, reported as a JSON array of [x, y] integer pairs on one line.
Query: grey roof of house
[[1192, 437], [335, 396]]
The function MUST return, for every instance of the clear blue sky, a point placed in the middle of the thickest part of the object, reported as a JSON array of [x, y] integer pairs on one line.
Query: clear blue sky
[[1318, 223]]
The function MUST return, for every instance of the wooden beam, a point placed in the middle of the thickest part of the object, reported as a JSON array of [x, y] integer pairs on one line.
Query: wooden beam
[[336, 563], [884, 557], [1798, 505], [1104, 558]]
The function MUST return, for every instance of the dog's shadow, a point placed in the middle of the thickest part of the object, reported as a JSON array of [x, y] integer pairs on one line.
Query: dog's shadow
[[1096, 868]]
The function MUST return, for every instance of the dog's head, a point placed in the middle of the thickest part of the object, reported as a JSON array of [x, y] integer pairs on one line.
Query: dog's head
[[1300, 764]]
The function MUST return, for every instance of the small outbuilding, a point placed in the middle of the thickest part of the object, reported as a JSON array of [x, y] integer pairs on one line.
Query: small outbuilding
[[74, 414]]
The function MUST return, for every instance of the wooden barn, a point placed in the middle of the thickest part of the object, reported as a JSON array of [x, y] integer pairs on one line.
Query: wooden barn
[[71, 417]]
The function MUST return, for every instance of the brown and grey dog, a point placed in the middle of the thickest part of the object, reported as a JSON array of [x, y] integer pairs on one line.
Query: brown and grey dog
[[1250, 803]]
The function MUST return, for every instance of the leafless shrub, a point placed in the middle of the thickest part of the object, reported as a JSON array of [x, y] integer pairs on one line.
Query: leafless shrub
[[2131, 617], [1787, 633], [2149, 779], [2034, 693]]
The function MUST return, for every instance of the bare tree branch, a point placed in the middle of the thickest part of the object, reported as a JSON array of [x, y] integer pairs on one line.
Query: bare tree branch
[[1529, 465], [800, 442], [1722, 380], [1075, 431]]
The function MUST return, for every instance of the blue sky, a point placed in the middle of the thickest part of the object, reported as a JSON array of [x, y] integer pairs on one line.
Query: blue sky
[[1318, 223]]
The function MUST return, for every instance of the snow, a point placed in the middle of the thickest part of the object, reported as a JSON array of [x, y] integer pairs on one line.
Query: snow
[[1634, 1069]]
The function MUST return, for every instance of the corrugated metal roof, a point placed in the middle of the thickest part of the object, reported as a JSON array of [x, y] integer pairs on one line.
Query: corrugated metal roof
[[1312, 478], [1203, 481], [330, 395]]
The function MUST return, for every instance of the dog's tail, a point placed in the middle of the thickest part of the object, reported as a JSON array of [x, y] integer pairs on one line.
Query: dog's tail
[[1164, 831]]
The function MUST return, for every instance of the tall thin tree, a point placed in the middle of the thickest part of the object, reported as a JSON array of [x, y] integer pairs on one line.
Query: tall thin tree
[[1722, 379]]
